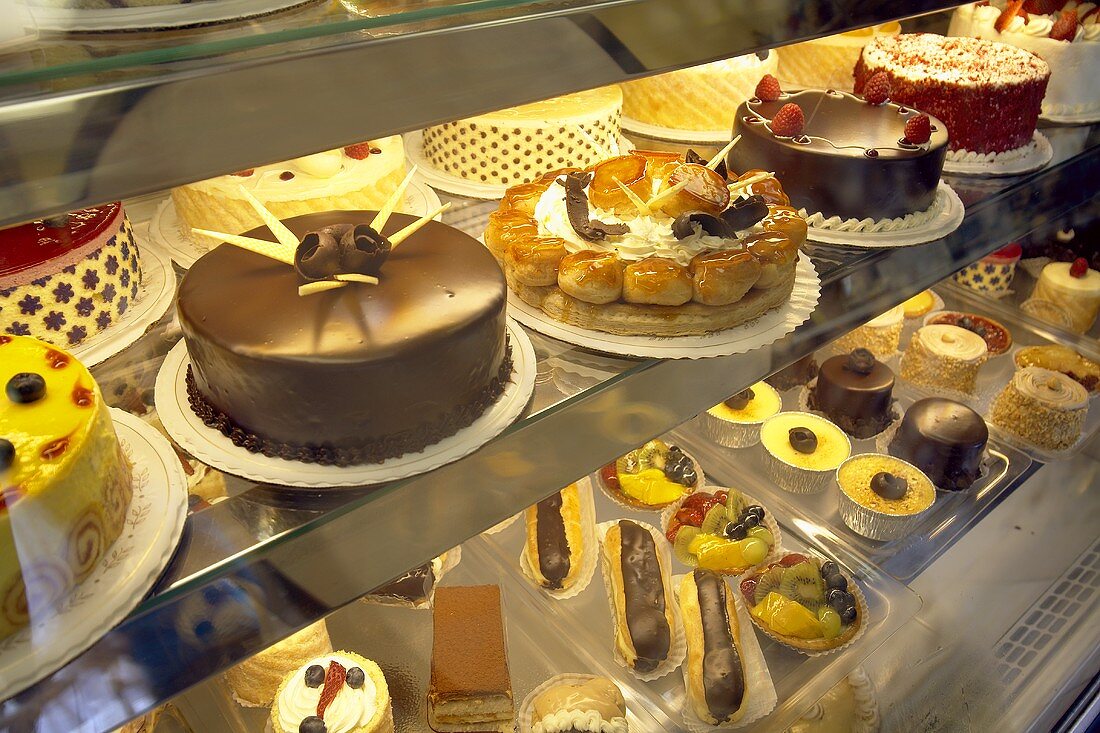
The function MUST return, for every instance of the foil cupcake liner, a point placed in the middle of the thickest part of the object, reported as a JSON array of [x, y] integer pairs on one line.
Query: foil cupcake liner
[[874, 524], [730, 434]]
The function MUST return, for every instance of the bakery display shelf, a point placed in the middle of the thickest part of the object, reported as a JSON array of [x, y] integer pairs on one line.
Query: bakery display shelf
[[266, 545], [106, 105]]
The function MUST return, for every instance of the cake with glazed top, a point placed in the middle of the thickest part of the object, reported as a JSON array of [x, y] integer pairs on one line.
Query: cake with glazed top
[[944, 439], [988, 94], [856, 391]]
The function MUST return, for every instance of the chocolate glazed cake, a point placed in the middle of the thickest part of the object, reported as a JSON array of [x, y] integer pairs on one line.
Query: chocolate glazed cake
[[943, 438], [851, 159], [353, 375], [855, 391]]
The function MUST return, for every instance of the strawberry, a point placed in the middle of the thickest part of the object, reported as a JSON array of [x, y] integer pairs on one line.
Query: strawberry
[[334, 680], [245, 173], [1012, 9], [1079, 267], [792, 559], [767, 89], [1065, 28], [1042, 7], [877, 88], [918, 130], [788, 121], [673, 528], [359, 151], [1009, 251], [610, 476]]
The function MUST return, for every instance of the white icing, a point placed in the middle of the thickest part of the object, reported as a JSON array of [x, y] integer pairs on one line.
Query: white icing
[[969, 156], [1053, 389], [585, 720], [350, 709], [960, 61], [953, 342], [818, 220], [891, 317], [1057, 274], [649, 236], [331, 173]]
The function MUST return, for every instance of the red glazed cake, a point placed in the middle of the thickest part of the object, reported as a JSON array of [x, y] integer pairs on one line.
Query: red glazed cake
[[988, 94]]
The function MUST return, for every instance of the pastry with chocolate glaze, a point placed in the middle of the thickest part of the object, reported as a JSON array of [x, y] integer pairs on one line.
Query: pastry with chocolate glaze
[[855, 391], [576, 705], [645, 626], [944, 439], [413, 589], [716, 675], [555, 540]]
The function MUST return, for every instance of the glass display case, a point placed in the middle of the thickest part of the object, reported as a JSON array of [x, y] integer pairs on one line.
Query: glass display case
[[259, 480]]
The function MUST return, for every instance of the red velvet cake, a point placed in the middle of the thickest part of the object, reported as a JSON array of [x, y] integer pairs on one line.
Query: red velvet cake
[[987, 93]]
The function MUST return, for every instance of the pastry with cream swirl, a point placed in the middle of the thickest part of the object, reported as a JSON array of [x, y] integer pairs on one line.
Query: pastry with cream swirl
[[1044, 407], [555, 540], [339, 692], [715, 666], [593, 705]]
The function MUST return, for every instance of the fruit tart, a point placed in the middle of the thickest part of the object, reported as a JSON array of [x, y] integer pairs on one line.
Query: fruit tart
[[649, 244], [651, 477], [721, 531], [805, 603]]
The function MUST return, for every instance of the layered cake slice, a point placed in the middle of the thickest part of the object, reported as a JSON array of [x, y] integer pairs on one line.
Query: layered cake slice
[[66, 279], [988, 94], [470, 686]]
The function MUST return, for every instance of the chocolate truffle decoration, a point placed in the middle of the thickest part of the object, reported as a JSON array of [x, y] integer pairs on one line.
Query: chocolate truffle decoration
[[576, 207], [861, 361], [363, 250], [339, 250], [740, 400], [889, 486], [318, 256], [802, 440]]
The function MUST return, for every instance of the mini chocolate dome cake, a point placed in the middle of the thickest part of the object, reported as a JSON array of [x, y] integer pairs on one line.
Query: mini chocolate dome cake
[[855, 391], [943, 438]]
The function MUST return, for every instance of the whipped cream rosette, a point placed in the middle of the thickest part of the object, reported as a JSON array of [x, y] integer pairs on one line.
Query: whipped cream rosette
[[339, 692]]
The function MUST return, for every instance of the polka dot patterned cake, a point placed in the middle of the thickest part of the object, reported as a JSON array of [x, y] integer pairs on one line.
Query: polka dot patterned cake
[[520, 144]]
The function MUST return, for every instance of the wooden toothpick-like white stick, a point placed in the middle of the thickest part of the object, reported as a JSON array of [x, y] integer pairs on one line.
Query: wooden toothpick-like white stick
[[757, 178], [392, 202], [319, 286], [411, 229], [713, 162], [635, 199], [273, 250], [284, 235], [668, 192]]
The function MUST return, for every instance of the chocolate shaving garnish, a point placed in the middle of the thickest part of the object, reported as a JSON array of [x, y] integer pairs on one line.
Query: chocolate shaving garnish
[[802, 440], [740, 400], [684, 225], [340, 250], [318, 256], [576, 207], [363, 250], [745, 213]]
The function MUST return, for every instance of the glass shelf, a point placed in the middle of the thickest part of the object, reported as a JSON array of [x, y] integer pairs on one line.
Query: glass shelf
[[293, 556]]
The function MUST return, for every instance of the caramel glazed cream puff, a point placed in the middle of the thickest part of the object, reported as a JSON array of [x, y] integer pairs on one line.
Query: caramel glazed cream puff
[[649, 244]]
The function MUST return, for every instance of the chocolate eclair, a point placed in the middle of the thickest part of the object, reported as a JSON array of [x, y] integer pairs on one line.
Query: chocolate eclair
[[555, 539], [644, 623], [717, 688]]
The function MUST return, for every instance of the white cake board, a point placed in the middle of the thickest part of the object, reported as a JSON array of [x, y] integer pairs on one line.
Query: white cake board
[[442, 181], [155, 16], [1038, 155], [946, 222], [1079, 118], [762, 331], [155, 294], [215, 449], [671, 134], [124, 574], [169, 232]]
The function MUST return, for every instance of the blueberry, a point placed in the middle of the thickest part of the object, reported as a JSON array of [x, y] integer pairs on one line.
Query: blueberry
[[736, 531], [829, 568], [355, 678], [315, 675], [840, 599], [966, 322], [7, 454], [674, 452], [848, 614], [674, 472], [312, 724], [689, 477], [26, 387], [750, 520], [755, 509], [836, 581]]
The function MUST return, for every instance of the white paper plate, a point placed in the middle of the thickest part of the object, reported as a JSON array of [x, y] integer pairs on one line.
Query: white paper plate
[[213, 448], [156, 16], [671, 134], [766, 329], [1037, 156], [946, 222], [168, 230], [414, 153], [1079, 118], [124, 574], [155, 294]]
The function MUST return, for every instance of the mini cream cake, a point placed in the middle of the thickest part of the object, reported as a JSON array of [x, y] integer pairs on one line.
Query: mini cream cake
[[359, 699], [735, 422], [881, 335], [255, 681], [944, 356], [699, 98], [827, 63], [65, 483], [1077, 297], [358, 176], [519, 144], [1074, 88], [1045, 408]]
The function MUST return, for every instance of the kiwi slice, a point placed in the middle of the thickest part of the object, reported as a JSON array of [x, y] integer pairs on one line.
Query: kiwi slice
[[768, 581], [684, 536], [715, 521], [652, 455], [802, 583], [735, 504]]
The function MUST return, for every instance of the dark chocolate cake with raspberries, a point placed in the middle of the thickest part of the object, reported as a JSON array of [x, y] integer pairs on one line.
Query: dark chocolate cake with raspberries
[[989, 94]]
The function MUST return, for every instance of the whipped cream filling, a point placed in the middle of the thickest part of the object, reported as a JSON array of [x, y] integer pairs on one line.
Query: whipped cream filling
[[953, 342], [588, 721], [350, 709], [817, 220], [1038, 26], [1053, 389], [648, 236]]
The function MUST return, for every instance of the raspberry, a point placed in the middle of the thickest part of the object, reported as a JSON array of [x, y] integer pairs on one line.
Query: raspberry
[[245, 173], [918, 130], [359, 151], [1012, 9], [788, 121], [1042, 7], [1065, 28], [767, 89], [1010, 250], [877, 89], [1079, 267]]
